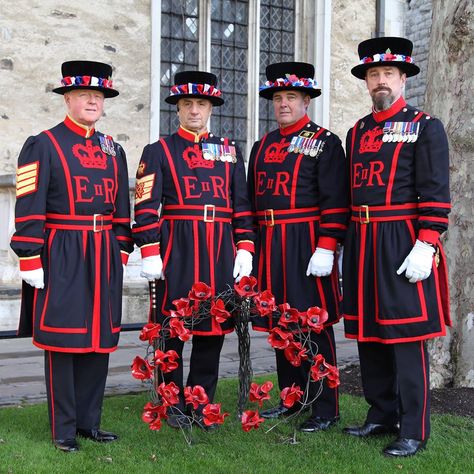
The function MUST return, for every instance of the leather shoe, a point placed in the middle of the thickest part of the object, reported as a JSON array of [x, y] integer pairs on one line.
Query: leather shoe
[[281, 410], [403, 447], [316, 423], [98, 435], [370, 429], [178, 421], [66, 445]]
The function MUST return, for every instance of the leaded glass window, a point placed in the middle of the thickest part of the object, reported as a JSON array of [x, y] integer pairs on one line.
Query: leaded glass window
[[277, 43], [229, 44], [179, 52]]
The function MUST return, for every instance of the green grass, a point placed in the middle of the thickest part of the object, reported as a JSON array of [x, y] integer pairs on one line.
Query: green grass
[[25, 446]]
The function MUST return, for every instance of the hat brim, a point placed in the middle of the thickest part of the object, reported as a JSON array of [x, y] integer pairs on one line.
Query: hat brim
[[268, 93], [108, 93], [173, 99], [409, 69]]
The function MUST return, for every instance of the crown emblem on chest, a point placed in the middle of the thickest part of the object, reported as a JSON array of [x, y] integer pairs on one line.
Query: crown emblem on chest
[[193, 157], [276, 152], [90, 156], [371, 141]]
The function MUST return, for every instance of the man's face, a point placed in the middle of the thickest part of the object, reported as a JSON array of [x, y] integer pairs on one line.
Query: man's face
[[289, 106], [385, 85], [193, 113], [85, 106]]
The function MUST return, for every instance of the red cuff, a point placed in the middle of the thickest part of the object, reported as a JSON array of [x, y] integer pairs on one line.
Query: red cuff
[[30, 263], [328, 243], [124, 256], [428, 235], [150, 250], [246, 245]]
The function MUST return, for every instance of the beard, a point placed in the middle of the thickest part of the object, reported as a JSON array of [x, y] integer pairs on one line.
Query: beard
[[382, 101]]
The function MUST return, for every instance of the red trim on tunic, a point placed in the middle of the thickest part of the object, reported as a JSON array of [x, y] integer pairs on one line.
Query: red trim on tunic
[[84, 132], [249, 246], [335, 210], [191, 136], [442, 205], [294, 181], [67, 174], [428, 235], [196, 251], [145, 227], [395, 341], [118, 220], [354, 131], [96, 307], [444, 220], [268, 254], [75, 350], [283, 257], [34, 240], [227, 182], [172, 170], [37, 217], [255, 167], [144, 211], [390, 112], [393, 169], [328, 243], [243, 214], [84, 242], [124, 257], [150, 250], [290, 129], [361, 279]]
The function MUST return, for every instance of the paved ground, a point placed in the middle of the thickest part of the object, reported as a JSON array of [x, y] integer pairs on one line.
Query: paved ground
[[22, 375]]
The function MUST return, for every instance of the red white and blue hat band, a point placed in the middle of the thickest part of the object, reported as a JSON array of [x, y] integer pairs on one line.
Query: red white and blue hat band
[[387, 57], [291, 81], [195, 89], [87, 81]]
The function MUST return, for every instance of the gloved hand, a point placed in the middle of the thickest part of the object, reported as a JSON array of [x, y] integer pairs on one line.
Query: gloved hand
[[242, 264], [124, 269], [321, 263], [152, 268], [418, 263], [34, 278]]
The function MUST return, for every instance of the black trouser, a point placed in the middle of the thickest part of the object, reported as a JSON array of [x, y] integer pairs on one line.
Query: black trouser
[[396, 381], [75, 385], [203, 365], [326, 405]]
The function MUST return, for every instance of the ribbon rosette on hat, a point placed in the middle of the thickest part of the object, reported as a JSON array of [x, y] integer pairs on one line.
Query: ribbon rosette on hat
[[251, 420], [260, 393]]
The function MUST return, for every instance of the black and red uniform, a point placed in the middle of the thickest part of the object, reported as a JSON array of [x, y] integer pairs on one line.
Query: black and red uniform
[[72, 218], [300, 203], [399, 193], [205, 215]]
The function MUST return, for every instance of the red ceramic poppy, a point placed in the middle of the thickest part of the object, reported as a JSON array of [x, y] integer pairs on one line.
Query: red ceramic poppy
[[212, 414], [183, 308], [246, 287], [318, 370], [200, 291], [265, 303], [152, 414], [279, 339], [141, 369], [288, 315], [150, 332], [291, 395], [219, 312], [251, 420], [166, 361], [315, 318], [169, 393], [177, 329], [295, 353], [259, 393], [195, 396]]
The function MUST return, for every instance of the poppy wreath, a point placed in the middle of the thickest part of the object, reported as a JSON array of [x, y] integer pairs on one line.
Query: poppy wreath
[[242, 301]]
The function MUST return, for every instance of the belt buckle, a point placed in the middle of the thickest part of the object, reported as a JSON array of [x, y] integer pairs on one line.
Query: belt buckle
[[269, 222], [98, 222], [364, 219], [207, 208]]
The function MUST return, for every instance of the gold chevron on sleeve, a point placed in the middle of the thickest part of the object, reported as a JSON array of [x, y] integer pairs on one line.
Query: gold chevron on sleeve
[[144, 187], [27, 179]]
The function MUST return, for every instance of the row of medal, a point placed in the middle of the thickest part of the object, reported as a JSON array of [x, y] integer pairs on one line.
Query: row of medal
[[215, 152], [307, 146], [107, 144], [400, 132]]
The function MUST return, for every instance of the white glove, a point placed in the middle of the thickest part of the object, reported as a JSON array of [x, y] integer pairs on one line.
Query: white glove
[[124, 269], [321, 263], [242, 264], [34, 278], [152, 268], [418, 262]]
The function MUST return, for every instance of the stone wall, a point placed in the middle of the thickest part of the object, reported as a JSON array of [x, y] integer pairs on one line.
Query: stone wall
[[352, 22], [418, 29], [37, 36]]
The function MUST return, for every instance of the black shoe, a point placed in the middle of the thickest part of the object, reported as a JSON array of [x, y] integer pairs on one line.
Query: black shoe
[[66, 445], [403, 447], [370, 429], [199, 421], [97, 435], [178, 422], [316, 423], [281, 410]]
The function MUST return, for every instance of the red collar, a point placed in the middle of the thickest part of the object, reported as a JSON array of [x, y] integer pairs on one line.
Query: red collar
[[390, 112], [285, 131], [81, 130], [191, 136]]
